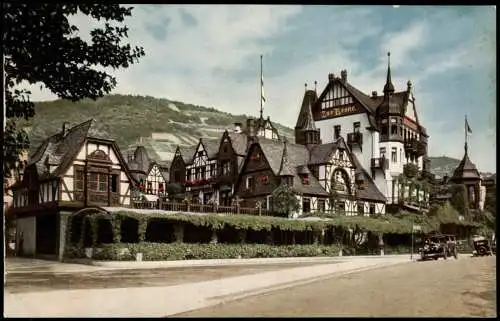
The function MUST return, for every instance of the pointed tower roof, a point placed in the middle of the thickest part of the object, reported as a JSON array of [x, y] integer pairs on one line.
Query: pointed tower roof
[[142, 158], [389, 87], [309, 121], [285, 168], [466, 170], [389, 104], [305, 118]]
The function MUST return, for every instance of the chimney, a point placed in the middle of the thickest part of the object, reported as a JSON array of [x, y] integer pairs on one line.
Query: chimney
[[251, 127], [65, 128], [237, 127], [331, 77], [343, 75], [374, 94]]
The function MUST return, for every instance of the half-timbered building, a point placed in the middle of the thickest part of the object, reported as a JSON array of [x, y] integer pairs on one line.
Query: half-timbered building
[[156, 180], [177, 170], [383, 131], [232, 151], [76, 168], [326, 178], [201, 172]]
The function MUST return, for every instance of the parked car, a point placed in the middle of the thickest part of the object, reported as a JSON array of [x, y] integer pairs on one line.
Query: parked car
[[438, 245], [482, 246]]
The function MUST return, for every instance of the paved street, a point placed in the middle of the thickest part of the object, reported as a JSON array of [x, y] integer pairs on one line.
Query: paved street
[[450, 288], [103, 278], [156, 300]]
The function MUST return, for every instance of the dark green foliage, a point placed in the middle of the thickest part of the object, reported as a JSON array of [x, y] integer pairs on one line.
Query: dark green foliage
[[459, 199], [41, 47], [410, 170], [444, 214], [184, 251], [490, 202], [285, 200], [173, 190]]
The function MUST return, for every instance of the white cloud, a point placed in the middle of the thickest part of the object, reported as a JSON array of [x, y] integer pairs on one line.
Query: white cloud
[[402, 43], [199, 62]]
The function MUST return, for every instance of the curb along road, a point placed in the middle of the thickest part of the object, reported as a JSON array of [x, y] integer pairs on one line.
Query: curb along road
[[217, 262]]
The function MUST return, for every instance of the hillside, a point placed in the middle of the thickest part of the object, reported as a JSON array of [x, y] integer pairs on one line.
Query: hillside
[[132, 118], [128, 118]]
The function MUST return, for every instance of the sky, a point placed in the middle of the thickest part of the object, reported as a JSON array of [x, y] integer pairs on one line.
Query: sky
[[210, 56]]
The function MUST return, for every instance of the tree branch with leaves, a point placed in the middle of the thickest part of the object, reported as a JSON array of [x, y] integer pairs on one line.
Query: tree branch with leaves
[[42, 47]]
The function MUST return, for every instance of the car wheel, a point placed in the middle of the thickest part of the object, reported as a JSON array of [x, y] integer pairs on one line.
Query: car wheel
[[481, 250]]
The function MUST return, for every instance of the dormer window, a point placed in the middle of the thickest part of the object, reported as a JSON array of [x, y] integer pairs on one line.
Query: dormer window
[[341, 154], [200, 153], [305, 179], [255, 157]]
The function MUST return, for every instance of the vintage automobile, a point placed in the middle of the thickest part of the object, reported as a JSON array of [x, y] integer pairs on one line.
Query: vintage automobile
[[482, 246], [436, 246]]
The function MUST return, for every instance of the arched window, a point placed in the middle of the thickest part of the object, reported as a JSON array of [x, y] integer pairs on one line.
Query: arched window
[[340, 181]]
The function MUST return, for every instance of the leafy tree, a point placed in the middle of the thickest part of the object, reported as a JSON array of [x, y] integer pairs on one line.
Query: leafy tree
[[42, 47], [285, 200], [490, 201], [173, 190], [459, 199]]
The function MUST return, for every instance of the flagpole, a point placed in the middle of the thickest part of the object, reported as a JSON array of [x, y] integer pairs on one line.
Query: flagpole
[[260, 81], [4, 122], [465, 129]]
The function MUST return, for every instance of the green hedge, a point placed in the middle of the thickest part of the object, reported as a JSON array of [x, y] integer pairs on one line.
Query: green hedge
[[185, 251], [378, 224]]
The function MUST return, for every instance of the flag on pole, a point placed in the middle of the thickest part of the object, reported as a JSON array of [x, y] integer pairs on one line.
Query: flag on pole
[[467, 127]]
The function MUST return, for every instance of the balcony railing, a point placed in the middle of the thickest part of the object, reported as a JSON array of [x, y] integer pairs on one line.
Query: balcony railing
[[380, 163], [355, 138], [201, 208], [415, 146]]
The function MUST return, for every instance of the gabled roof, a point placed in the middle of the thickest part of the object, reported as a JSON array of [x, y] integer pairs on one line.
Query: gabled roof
[[370, 104], [320, 153], [239, 142], [370, 190], [297, 155], [262, 122], [187, 153], [163, 167], [211, 147], [60, 149]]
